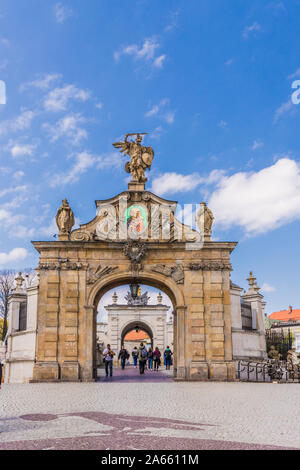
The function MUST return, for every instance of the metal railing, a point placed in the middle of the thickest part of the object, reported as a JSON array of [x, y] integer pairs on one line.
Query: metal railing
[[268, 371]]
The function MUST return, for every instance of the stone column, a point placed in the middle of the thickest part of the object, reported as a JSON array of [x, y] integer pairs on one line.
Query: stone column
[[47, 367], [181, 333], [87, 373], [175, 344]]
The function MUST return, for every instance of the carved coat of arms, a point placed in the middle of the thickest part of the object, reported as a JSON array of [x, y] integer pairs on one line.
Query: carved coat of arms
[[135, 251]]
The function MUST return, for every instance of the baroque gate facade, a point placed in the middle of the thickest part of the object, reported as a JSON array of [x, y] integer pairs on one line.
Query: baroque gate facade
[[134, 238]]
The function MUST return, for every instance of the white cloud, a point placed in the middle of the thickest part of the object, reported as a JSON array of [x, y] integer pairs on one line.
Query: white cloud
[[99, 105], [43, 83], [250, 29], [156, 133], [223, 124], [19, 123], [17, 254], [83, 162], [144, 53], [294, 75], [159, 111], [50, 230], [285, 108], [62, 12], [18, 175], [159, 61], [70, 127], [268, 288], [258, 201], [58, 99], [257, 144], [255, 201], [175, 182], [13, 189], [20, 150], [173, 21]]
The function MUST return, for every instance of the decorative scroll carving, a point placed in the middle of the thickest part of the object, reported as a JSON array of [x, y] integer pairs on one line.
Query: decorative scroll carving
[[80, 236], [94, 274], [210, 266], [135, 251], [176, 272]]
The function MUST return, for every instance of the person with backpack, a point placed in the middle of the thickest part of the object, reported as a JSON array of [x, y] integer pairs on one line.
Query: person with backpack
[[168, 357], [156, 358], [135, 355], [123, 355], [142, 358], [150, 359]]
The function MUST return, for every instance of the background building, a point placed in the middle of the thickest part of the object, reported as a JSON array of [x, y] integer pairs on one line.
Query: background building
[[136, 322]]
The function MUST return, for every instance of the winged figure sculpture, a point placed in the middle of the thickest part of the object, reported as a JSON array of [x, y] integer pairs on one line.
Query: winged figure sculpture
[[141, 156]]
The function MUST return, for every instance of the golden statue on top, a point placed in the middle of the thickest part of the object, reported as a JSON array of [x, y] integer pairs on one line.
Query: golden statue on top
[[141, 156]]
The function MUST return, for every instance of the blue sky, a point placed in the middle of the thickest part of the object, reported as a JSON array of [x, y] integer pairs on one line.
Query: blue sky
[[209, 80]]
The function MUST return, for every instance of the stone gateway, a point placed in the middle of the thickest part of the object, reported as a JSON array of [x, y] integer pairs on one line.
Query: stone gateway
[[135, 238]]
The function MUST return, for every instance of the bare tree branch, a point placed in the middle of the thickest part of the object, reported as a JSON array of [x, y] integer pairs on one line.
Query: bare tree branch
[[7, 278]]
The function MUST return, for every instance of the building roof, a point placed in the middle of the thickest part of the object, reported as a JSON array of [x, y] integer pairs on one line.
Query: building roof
[[134, 336], [286, 315]]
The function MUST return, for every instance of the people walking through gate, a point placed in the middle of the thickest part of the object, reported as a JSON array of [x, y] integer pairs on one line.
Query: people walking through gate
[[168, 357], [123, 355], [156, 358], [142, 358], [108, 354], [135, 355], [150, 359]]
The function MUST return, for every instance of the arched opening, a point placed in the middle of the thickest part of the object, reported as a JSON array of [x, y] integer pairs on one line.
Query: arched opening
[[134, 334], [128, 314]]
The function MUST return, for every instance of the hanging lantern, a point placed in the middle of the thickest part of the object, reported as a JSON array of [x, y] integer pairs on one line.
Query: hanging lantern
[[134, 288], [137, 329]]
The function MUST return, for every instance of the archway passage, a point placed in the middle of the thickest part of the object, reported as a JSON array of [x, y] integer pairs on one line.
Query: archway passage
[[137, 332], [129, 315]]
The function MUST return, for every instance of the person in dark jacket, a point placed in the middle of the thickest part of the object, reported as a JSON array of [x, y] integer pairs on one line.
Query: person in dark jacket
[[156, 358], [150, 359], [142, 358], [123, 355], [168, 357], [135, 355]]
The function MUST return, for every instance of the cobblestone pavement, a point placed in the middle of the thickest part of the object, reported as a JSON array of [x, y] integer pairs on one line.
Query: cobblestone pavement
[[149, 415], [131, 374]]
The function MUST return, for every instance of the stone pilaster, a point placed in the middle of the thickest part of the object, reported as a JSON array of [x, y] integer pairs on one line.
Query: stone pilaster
[[181, 342]]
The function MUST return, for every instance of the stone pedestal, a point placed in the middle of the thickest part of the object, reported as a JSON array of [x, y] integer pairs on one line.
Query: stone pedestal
[[46, 372], [69, 371], [135, 186]]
